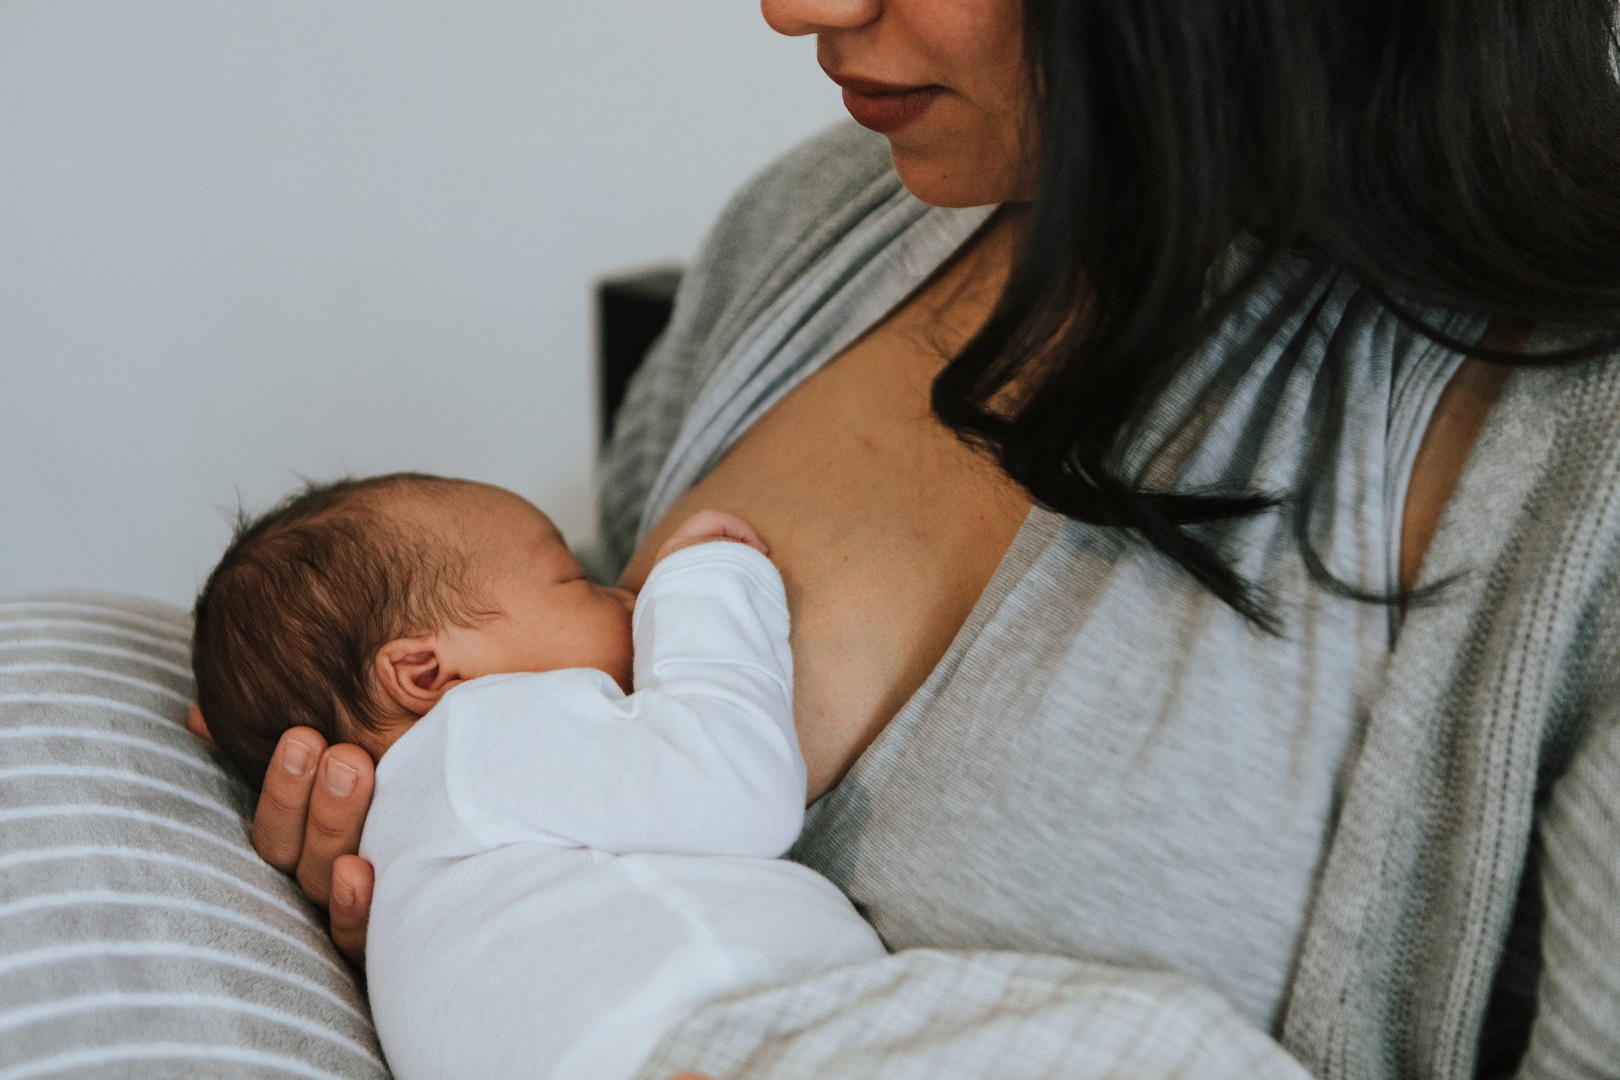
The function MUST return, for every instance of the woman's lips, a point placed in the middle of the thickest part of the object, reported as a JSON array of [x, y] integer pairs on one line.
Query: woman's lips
[[885, 107]]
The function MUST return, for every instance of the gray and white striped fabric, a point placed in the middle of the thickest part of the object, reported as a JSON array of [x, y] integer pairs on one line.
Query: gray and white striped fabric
[[140, 936]]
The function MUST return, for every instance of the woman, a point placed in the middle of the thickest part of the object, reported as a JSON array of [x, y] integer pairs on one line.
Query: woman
[[1101, 513]]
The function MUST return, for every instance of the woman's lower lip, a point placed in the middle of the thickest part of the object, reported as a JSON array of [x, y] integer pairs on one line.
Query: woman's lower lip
[[884, 113]]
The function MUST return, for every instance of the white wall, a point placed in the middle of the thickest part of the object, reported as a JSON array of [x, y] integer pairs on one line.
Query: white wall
[[246, 239]]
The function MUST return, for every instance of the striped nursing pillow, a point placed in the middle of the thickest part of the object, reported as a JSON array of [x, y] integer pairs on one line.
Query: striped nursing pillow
[[140, 936]]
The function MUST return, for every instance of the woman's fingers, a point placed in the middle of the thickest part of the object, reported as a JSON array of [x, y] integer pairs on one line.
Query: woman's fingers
[[352, 879], [283, 810], [311, 812], [337, 814]]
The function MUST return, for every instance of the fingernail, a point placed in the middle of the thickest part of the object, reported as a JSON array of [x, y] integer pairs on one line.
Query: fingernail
[[297, 758], [340, 778], [342, 893]]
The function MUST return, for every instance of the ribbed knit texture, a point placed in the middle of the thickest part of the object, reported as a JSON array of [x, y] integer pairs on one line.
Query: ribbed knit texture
[[1490, 695]]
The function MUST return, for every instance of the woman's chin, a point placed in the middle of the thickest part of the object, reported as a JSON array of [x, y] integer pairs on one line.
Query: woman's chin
[[951, 182]]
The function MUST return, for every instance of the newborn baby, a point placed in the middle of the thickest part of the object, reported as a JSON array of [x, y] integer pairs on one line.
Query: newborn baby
[[576, 841]]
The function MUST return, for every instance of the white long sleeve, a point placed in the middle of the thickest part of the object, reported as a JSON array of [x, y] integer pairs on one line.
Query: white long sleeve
[[701, 759], [564, 871]]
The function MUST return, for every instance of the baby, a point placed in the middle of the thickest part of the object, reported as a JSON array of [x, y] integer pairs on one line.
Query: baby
[[576, 841]]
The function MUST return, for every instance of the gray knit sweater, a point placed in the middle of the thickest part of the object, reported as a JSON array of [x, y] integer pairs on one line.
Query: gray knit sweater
[[1493, 747]]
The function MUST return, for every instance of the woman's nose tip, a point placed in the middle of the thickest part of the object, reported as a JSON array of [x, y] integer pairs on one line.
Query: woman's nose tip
[[795, 18]]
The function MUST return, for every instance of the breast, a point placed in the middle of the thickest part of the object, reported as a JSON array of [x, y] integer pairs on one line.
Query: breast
[[885, 527], [1110, 765]]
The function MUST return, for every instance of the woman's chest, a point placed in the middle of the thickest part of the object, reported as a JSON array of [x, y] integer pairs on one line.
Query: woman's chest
[[886, 529], [1112, 767]]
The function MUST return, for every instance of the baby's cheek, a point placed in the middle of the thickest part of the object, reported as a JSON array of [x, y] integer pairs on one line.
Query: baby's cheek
[[610, 629], [625, 637]]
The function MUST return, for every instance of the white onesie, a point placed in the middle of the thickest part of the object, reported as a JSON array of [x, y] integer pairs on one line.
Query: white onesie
[[564, 871]]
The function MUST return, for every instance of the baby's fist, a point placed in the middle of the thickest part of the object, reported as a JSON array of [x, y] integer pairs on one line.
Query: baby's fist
[[707, 525]]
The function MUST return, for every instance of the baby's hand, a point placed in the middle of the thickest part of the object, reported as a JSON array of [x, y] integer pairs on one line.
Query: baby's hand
[[707, 525]]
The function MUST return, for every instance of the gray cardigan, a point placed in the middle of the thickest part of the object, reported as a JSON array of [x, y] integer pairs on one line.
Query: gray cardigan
[[1495, 746]]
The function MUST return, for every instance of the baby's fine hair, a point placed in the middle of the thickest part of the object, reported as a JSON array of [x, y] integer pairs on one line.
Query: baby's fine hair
[[287, 626]]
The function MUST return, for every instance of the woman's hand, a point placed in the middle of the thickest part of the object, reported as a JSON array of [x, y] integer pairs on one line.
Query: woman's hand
[[308, 823]]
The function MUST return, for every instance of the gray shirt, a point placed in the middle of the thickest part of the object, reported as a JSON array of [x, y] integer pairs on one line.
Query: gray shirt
[[1108, 765], [1135, 775]]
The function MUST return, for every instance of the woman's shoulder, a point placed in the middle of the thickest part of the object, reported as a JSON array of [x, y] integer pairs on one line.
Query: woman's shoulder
[[840, 166], [1534, 519], [780, 222]]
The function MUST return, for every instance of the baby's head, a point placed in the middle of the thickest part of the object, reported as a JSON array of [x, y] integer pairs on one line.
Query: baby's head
[[352, 607]]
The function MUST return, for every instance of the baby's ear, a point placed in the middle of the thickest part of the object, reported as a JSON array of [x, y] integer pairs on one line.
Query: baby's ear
[[411, 674]]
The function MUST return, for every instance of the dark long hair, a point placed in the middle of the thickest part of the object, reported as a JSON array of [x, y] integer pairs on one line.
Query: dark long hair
[[1455, 153]]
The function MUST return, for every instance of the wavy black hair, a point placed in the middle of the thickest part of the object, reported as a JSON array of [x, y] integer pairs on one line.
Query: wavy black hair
[[1463, 154]]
